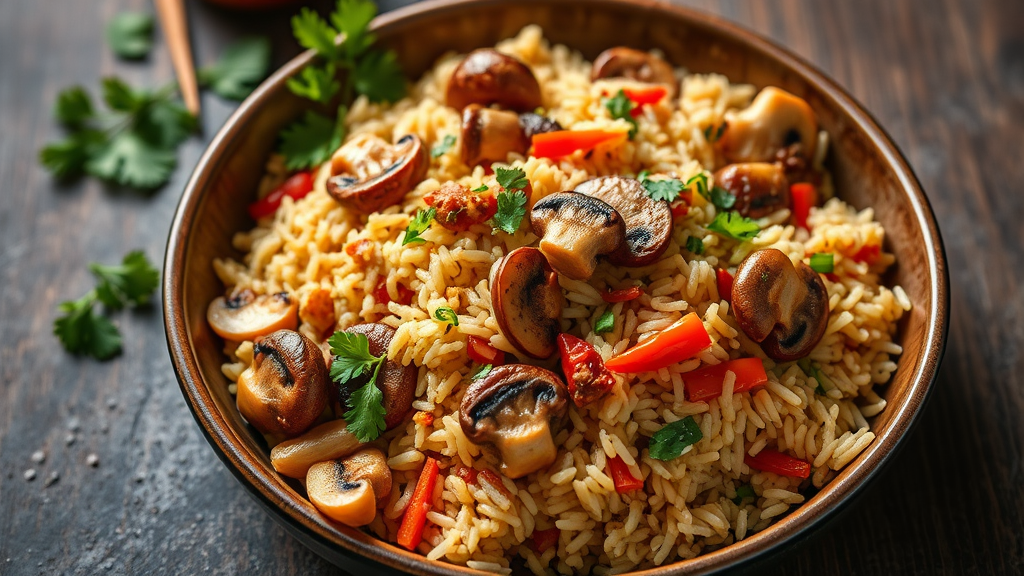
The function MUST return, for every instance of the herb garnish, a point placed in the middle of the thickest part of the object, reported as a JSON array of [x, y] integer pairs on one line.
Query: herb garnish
[[745, 491], [823, 262], [419, 224], [240, 68], [512, 200], [130, 34], [700, 179], [447, 315], [695, 245], [673, 439], [311, 140], [722, 198], [511, 179], [605, 323], [480, 188], [712, 134], [352, 359], [732, 225], [443, 146], [667, 189], [481, 372], [620, 108]]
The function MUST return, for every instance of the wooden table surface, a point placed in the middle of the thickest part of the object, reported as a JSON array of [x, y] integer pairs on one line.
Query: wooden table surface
[[944, 77]]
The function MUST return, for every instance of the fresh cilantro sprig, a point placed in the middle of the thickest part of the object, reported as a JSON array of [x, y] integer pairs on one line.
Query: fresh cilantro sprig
[[312, 139], [511, 179], [733, 225], [512, 200], [673, 439], [667, 189], [418, 225], [239, 69], [351, 358], [82, 330], [130, 34], [620, 107]]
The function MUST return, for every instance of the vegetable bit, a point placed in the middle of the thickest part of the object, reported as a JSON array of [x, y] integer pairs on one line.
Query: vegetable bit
[[566, 142], [410, 533], [732, 225], [419, 224], [684, 339], [624, 480], [823, 262], [351, 359], [673, 439], [706, 383], [778, 463], [620, 107]]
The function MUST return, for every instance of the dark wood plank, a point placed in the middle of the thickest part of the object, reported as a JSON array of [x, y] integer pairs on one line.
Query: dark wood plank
[[945, 77]]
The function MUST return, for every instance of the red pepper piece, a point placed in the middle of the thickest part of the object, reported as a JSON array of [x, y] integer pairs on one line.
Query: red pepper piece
[[544, 539], [868, 253], [481, 352], [803, 196], [778, 463], [405, 295], [706, 383], [584, 370], [680, 341], [644, 95], [724, 284], [296, 187], [623, 295], [410, 533], [469, 475], [624, 480], [565, 142]]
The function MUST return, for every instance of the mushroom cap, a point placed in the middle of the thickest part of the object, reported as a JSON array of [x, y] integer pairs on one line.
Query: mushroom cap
[[527, 301], [488, 77], [774, 120], [351, 489], [517, 408], [327, 441], [648, 221], [760, 188], [533, 123], [490, 135], [396, 381], [368, 174], [575, 229], [284, 391], [246, 316], [782, 306], [623, 62]]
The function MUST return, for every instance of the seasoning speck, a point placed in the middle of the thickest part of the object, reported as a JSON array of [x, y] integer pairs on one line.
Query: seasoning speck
[[92, 460], [69, 439], [111, 403], [73, 425], [52, 479], [30, 474], [39, 456]]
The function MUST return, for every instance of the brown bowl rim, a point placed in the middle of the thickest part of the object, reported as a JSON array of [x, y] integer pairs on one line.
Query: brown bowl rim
[[322, 536]]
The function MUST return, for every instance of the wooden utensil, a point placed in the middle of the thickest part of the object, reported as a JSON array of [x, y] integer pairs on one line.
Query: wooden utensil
[[175, 26]]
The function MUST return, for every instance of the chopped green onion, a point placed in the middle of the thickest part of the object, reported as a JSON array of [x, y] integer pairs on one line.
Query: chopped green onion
[[448, 316], [481, 188], [823, 262]]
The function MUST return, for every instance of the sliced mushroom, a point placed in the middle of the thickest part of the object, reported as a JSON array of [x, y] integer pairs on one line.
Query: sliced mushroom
[[784, 307], [648, 221], [351, 489], [622, 62], [518, 409], [533, 123], [368, 174], [488, 77], [396, 382], [489, 135], [774, 120], [575, 229], [284, 391], [327, 441], [760, 188], [527, 301], [246, 316]]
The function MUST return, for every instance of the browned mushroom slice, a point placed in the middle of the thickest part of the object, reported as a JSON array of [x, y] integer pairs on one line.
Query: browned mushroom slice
[[518, 409], [351, 489], [527, 301], [396, 382], [760, 188], [784, 307], [774, 120], [648, 221], [575, 229], [488, 77], [622, 62], [490, 135], [284, 391], [532, 124], [368, 174], [246, 316], [325, 442]]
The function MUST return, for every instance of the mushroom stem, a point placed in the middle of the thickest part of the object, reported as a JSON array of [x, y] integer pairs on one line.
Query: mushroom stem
[[525, 450], [325, 442]]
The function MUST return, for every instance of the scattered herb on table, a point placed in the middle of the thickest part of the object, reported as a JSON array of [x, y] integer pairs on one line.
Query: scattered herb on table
[[130, 34], [352, 359], [695, 245], [240, 68], [443, 147], [732, 225], [620, 107], [673, 439], [823, 262], [606, 323], [419, 224]]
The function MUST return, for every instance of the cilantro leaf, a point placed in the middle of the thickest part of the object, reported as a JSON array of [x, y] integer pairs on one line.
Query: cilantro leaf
[[365, 417], [670, 442], [82, 331], [419, 224], [131, 282], [132, 161], [722, 198], [620, 108], [316, 83], [695, 245], [667, 190], [352, 18], [511, 209], [351, 356], [67, 158], [511, 179], [130, 34], [239, 69], [310, 141], [732, 225], [442, 147], [448, 316], [315, 33], [119, 96], [74, 107], [379, 77], [481, 372], [163, 122], [606, 323]]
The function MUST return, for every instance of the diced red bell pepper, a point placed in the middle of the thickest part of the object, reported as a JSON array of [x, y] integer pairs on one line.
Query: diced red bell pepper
[[624, 480], [803, 196], [405, 295], [565, 142], [410, 533], [644, 95], [724, 284], [778, 463], [544, 539], [680, 341], [706, 383], [481, 352], [868, 253], [468, 475], [296, 187], [585, 373], [623, 295], [680, 209]]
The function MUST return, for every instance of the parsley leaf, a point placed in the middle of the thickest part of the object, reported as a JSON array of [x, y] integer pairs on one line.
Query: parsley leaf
[[481, 372], [313, 32], [310, 141], [74, 107], [480, 188], [352, 18], [131, 282], [722, 198], [132, 161], [732, 225], [695, 245], [620, 108], [366, 413], [119, 96], [351, 359], [447, 315], [379, 77], [351, 356], [67, 158], [442, 147], [667, 190], [511, 210], [316, 83], [823, 262], [82, 331], [511, 179], [240, 68], [130, 34], [670, 442], [419, 224], [606, 323]]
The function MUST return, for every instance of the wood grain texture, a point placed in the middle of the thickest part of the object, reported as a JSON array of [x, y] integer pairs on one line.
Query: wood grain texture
[[944, 77]]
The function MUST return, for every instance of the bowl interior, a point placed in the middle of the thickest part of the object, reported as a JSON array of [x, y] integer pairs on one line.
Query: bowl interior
[[867, 168]]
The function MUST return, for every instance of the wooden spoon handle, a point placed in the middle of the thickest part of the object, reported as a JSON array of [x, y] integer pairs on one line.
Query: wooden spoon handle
[[175, 26]]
